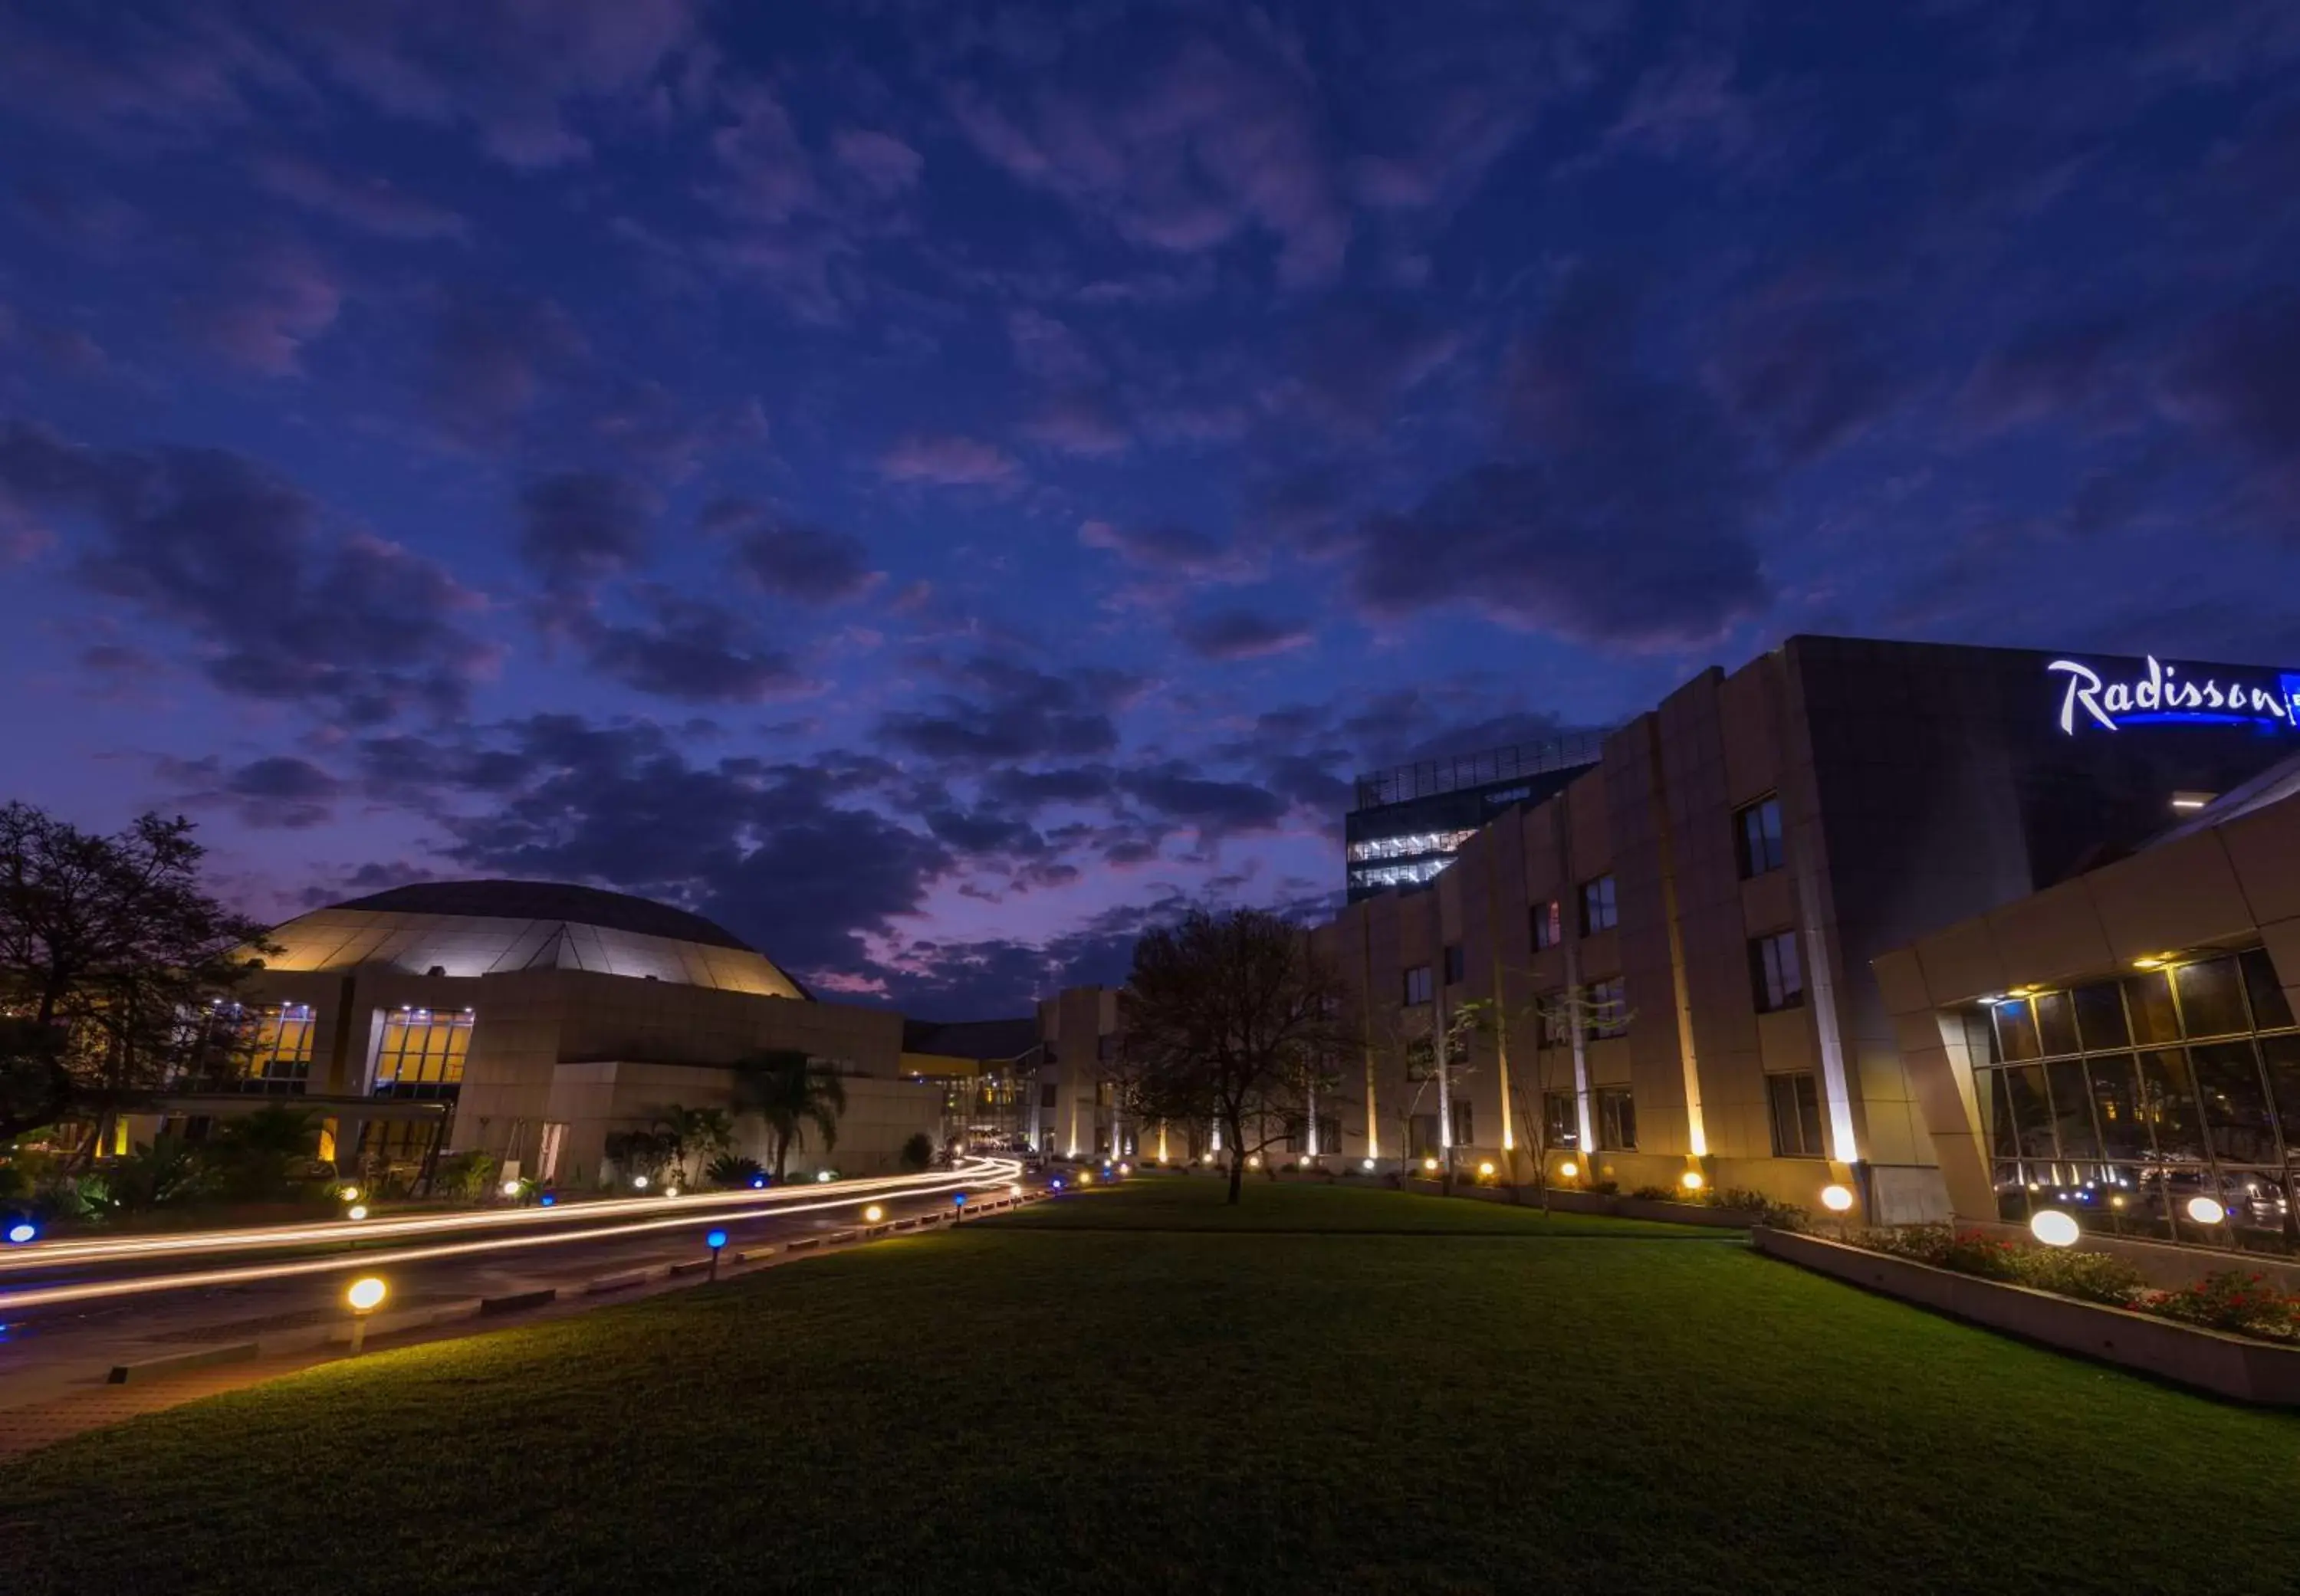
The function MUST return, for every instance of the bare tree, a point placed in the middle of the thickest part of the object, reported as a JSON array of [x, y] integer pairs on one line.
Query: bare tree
[[1230, 1020], [116, 968]]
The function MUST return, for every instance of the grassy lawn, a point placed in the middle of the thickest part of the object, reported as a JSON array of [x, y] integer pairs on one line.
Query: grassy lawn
[[1197, 1203], [1041, 1406]]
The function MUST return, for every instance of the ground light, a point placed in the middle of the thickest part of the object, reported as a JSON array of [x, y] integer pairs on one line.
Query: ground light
[[365, 1296], [957, 1205], [671, 1191], [874, 1213], [357, 1210], [2054, 1228], [1690, 1180], [2206, 1210], [1369, 1165], [1254, 1161], [1056, 1183], [547, 1199], [639, 1183], [511, 1188], [1429, 1163], [22, 1234], [823, 1175], [1085, 1178], [1569, 1169], [758, 1183], [1837, 1199], [1486, 1169], [715, 1240], [348, 1194]]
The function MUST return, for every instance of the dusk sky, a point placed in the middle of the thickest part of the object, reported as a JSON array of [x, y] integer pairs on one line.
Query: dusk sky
[[933, 485]]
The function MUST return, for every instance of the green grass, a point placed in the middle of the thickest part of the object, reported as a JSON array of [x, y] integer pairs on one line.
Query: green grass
[[1034, 1406], [1196, 1202]]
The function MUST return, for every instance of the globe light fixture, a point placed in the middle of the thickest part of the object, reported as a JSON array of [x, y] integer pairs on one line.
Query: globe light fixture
[[2055, 1228], [1429, 1163], [1126, 1168], [714, 1238], [639, 1183], [1486, 1168], [1691, 1180], [547, 1199], [1569, 1169], [1836, 1199], [1254, 1161], [357, 1210], [348, 1194], [511, 1188], [874, 1213], [758, 1183], [1085, 1177], [23, 1233], [671, 1191], [2206, 1210], [1369, 1165], [821, 1176], [367, 1293]]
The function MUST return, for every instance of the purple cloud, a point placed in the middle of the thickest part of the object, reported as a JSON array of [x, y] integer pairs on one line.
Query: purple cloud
[[946, 459]]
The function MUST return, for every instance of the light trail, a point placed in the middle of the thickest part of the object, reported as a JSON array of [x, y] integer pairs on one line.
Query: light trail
[[999, 1173], [342, 1232]]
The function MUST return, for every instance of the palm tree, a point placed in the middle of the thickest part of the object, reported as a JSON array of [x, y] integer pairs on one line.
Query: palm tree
[[790, 1092], [684, 1131]]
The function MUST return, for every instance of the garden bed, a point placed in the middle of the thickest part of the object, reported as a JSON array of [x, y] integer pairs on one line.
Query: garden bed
[[2227, 1365]]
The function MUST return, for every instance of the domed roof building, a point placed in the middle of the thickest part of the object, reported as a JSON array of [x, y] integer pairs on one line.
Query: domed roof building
[[529, 1020], [466, 928]]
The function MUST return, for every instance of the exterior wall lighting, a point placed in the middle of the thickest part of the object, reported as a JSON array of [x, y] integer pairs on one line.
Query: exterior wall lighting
[[1837, 1199], [1486, 1169], [357, 1210], [365, 1296], [1569, 1169], [2055, 1228], [874, 1213], [2206, 1210], [1691, 1180]]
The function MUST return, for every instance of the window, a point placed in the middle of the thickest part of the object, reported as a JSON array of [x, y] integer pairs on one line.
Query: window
[[1105, 1047], [1775, 974], [1453, 964], [1423, 1139], [1794, 1101], [1417, 986], [421, 1053], [1597, 911], [1605, 1008], [1560, 1127], [1329, 1134], [1617, 1119], [1104, 1094], [1465, 1124], [1046, 1090], [1556, 1018], [1547, 930], [1757, 829]]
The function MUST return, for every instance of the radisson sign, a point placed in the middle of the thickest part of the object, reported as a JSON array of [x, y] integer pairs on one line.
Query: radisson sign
[[2165, 693]]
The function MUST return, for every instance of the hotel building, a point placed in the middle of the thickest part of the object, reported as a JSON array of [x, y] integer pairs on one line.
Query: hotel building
[[1668, 960]]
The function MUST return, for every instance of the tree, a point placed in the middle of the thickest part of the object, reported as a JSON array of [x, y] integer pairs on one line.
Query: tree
[[1230, 1020], [110, 955], [733, 1172], [685, 1132], [918, 1151], [790, 1092], [265, 1154]]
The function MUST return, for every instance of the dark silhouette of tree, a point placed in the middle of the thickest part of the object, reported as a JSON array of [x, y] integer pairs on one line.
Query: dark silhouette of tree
[[113, 962], [1232, 1021]]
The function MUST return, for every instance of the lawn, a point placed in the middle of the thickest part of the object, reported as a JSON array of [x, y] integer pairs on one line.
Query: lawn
[[1044, 1405], [1199, 1203]]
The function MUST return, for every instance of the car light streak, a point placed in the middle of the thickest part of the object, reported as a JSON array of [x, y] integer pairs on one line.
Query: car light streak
[[51, 1255], [369, 1259]]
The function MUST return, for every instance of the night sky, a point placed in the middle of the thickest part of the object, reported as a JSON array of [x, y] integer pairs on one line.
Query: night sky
[[935, 487]]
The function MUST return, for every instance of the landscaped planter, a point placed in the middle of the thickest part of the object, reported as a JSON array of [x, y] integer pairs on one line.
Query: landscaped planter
[[1681, 1213], [1574, 1202], [2230, 1365]]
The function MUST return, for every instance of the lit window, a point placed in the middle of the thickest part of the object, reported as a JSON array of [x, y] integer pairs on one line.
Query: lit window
[[1598, 908], [1547, 930], [421, 1053], [1560, 1127], [1757, 832], [1408, 844], [1774, 972]]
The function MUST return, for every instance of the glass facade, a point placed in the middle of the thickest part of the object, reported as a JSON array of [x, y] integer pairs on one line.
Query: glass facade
[[420, 1053], [2150, 1105], [272, 1046]]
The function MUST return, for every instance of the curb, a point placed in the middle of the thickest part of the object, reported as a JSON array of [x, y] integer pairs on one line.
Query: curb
[[176, 1363], [513, 1301]]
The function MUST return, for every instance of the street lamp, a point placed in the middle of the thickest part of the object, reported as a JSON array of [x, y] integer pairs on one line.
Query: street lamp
[[365, 1296]]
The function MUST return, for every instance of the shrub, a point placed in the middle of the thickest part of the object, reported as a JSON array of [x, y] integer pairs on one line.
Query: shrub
[[466, 1175], [732, 1172], [2231, 1299], [1654, 1195], [918, 1152], [1607, 1188], [1762, 1209]]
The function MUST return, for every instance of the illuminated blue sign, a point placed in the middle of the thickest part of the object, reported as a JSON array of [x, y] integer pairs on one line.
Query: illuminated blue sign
[[2163, 694]]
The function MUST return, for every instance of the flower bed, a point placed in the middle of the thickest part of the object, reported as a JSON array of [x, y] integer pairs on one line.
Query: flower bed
[[2234, 1301], [2172, 1336]]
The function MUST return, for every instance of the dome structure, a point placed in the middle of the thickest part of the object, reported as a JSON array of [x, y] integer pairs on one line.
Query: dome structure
[[471, 928]]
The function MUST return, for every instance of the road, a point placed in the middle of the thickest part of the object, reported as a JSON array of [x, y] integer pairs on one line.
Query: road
[[71, 1309]]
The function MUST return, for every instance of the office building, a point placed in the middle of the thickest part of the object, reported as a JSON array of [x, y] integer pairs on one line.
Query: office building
[[1406, 823]]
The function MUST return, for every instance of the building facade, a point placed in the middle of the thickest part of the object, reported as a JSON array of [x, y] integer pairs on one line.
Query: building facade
[[2122, 1046], [1405, 824], [1664, 968], [529, 1020]]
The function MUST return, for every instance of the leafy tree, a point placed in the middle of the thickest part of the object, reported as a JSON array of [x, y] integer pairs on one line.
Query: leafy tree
[[164, 1170], [790, 1092], [1232, 1021], [687, 1132], [110, 952], [467, 1175], [919, 1151]]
